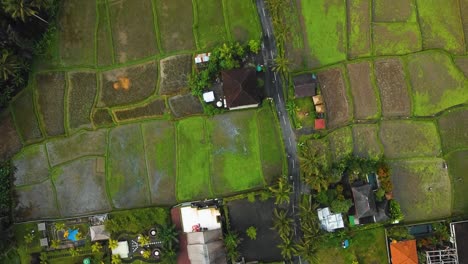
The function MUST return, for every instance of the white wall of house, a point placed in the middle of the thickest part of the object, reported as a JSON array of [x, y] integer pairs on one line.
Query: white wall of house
[[244, 107]]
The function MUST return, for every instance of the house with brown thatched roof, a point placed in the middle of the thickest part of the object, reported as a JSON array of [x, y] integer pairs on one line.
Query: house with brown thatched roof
[[240, 88]]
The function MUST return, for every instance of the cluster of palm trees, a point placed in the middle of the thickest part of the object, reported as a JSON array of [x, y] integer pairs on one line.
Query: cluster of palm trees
[[18, 41], [315, 167]]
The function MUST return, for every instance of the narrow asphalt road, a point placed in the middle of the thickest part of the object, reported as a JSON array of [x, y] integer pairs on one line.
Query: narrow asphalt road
[[274, 89]]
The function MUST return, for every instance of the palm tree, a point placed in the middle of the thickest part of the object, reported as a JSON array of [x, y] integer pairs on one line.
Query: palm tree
[[21, 9], [282, 223], [287, 248], [307, 250], [29, 238], [74, 252], [281, 65], [59, 226], [116, 259], [8, 65], [113, 244], [146, 254], [282, 192], [143, 240], [96, 247], [55, 243], [168, 235]]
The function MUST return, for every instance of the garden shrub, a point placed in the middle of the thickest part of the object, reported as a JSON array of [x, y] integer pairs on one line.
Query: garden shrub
[[251, 232], [341, 206], [136, 221], [395, 211], [383, 171], [380, 194], [399, 233]]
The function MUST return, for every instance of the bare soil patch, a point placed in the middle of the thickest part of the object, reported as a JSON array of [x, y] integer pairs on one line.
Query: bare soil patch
[[175, 19], [366, 141], [185, 105], [128, 85], [133, 29], [365, 99], [25, 117], [81, 189], [155, 108], [260, 214], [10, 143], [175, 72], [51, 97], [84, 144], [396, 38], [82, 91], [77, 20], [393, 10], [31, 165], [102, 118], [334, 92], [391, 82], [36, 202], [422, 187], [453, 127], [406, 139]]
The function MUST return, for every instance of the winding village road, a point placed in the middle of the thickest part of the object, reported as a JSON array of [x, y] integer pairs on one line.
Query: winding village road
[[274, 90]]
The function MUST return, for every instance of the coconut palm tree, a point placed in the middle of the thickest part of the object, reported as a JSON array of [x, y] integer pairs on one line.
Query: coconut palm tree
[[59, 226], [116, 259], [287, 248], [143, 240], [9, 64], [282, 191], [55, 243], [307, 249], [96, 247], [113, 244], [282, 223], [281, 65], [74, 252], [21, 9], [146, 254]]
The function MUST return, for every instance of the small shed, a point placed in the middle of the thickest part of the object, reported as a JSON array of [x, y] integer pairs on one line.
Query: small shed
[[208, 97], [305, 85], [319, 124], [202, 58], [41, 226], [44, 242], [404, 252], [320, 108]]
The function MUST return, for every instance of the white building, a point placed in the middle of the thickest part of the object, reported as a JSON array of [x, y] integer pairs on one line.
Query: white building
[[328, 221]]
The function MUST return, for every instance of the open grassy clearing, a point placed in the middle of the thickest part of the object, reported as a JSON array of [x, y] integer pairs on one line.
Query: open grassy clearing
[[133, 30], [175, 72], [77, 25], [31, 165], [175, 20], [20, 230], [104, 46], [243, 19], [305, 112], [325, 23], [453, 129], [366, 246], [396, 38], [341, 143], [25, 117], [128, 85], [422, 187], [193, 160], [234, 152], [50, 97], [160, 145], [441, 25], [82, 91], [185, 105], [333, 87], [152, 109], [366, 141], [127, 177], [437, 83], [36, 201], [12, 142], [81, 187], [359, 28], [209, 24], [93, 143], [271, 147], [297, 50], [458, 167], [394, 96], [406, 139], [365, 98], [393, 10]]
